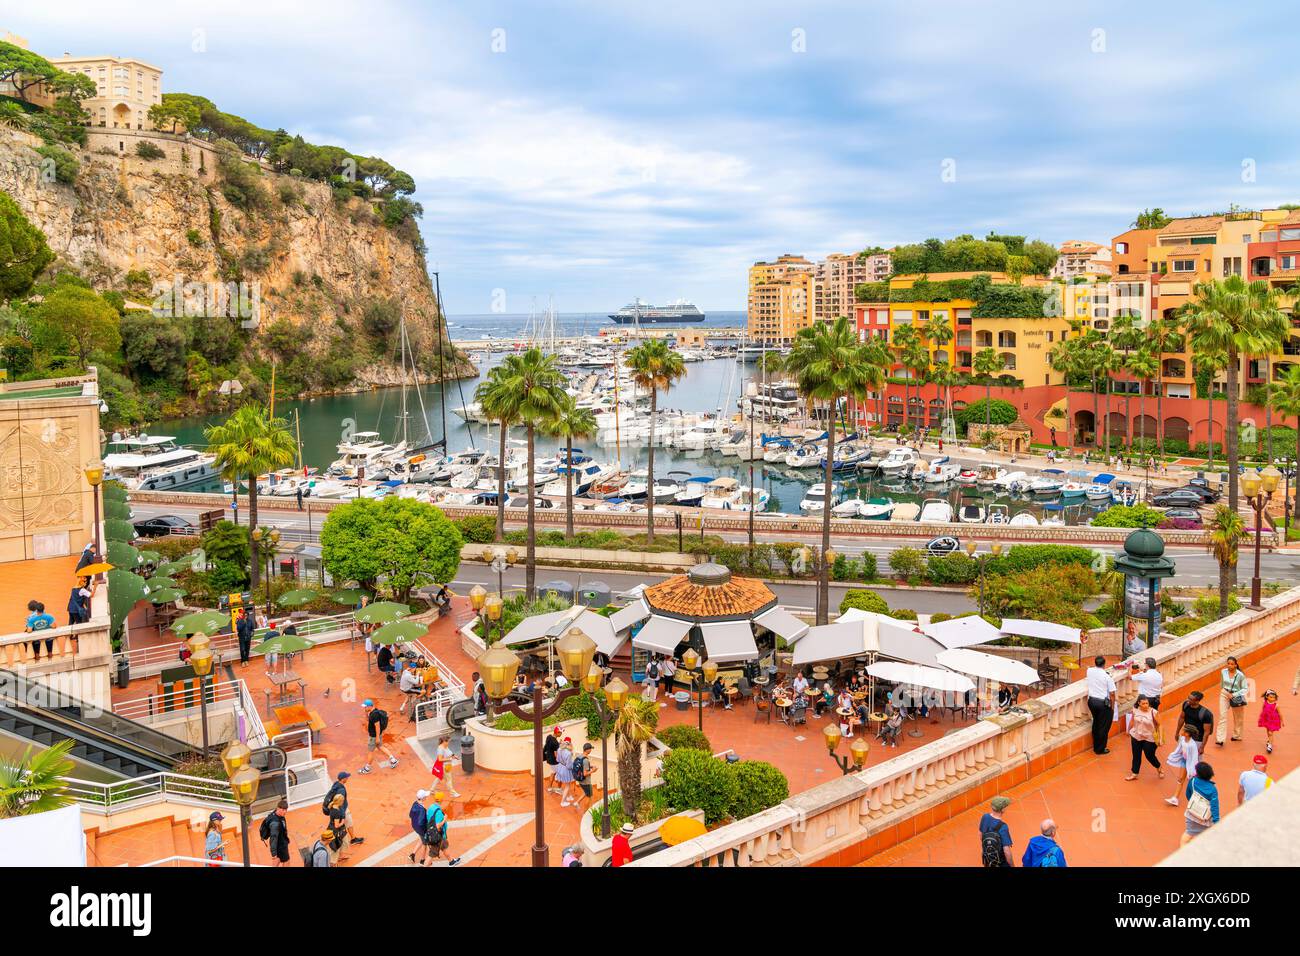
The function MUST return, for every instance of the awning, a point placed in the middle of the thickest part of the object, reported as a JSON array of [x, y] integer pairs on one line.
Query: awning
[[831, 642], [988, 666], [782, 623], [858, 637], [729, 641], [1046, 630], [625, 617], [536, 628], [917, 676], [661, 635], [963, 631], [601, 630]]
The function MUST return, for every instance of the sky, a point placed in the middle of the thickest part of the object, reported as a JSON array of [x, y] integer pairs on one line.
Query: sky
[[586, 153]]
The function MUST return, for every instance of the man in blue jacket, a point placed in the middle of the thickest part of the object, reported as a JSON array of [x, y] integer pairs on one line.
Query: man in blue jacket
[[1044, 850]]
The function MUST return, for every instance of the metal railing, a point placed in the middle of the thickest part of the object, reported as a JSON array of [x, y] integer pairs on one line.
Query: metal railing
[[157, 658], [193, 861], [98, 797]]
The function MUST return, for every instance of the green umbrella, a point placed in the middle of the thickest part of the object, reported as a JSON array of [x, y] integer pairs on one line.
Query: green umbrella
[[160, 581], [176, 567], [150, 557], [396, 631], [117, 509], [296, 598], [347, 595], [166, 595], [200, 622], [284, 644], [129, 586], [116, 529], [122, 556], [381, 612]]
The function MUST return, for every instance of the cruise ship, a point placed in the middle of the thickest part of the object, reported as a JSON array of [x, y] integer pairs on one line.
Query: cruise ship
[[638, 312]]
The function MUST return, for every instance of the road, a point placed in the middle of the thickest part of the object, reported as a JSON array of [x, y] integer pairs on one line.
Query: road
[[1196, 567]]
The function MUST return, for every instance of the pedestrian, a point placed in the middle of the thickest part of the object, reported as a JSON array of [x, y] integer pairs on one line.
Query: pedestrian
[[1196, 714], [550, 747], [1202, 803], [1270, 718], [480, 695], [667, 674], [338, 826], [214, 847], [376, 724], [419, 815], [275, 831], [650, 687], [1254, 781], [88, 556], [244, 632], [563, 773], [1185, 756], [1232, 700], [1101, 703], [319, 854], [581, 771], [436, 826], [411, 686], [339, 788], [1144, 734], [39, 620], [621, 846], [79, 601], [448, 759], [1150, 682], [384, 661], [572, 856], [298, 494], [995, 835], [1043, 850]]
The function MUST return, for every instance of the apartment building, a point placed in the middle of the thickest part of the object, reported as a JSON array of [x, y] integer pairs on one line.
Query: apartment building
[[838, 276], [125, 89], [1078, 258], [781, 299]]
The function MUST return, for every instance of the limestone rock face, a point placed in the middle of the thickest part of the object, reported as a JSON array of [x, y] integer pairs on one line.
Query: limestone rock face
[[308, 257]]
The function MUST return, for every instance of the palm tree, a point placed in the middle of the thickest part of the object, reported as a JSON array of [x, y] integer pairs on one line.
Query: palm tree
[[1226, 532], [571, 422], [904, 343], [1106, 360], [539, 383], [1286, 399], [939, 333], [249, 443], [1237, 318], [986, 364], [654, 366], [1064, 357], [1210, 362], [1126, 337], [1143, 365], [829, 364], [875, 372], [1163, 335], [501, 404], [35, 784], [635, 725]]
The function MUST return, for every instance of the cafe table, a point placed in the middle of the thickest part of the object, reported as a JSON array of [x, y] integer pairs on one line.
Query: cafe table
[[783, 705]]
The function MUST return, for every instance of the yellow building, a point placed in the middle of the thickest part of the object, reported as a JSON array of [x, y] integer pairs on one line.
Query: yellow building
[[781, 297], [125, 89]]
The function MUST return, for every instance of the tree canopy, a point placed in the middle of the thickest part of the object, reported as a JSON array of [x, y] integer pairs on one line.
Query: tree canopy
[[24, 253], [399, 541]]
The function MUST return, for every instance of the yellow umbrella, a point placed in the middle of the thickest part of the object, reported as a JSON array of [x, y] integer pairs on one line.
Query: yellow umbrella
[[99, 567], [677, 830]]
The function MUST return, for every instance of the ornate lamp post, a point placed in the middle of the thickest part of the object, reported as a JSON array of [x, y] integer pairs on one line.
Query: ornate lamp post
[[244, 780], [702, 676], [499, 559], [994, 550], [492, 607], [856, 759], [95, 476], [1258, 489], [498, 667], [608, 709], [201, 661], [477, 597]]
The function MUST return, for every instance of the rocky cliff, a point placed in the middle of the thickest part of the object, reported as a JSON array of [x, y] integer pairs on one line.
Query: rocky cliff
[[147, 226]]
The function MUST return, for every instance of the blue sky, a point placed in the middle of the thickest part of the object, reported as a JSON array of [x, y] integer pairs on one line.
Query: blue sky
[[596, 151]]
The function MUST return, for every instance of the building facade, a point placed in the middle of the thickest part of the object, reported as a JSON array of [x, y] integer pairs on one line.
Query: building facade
[[781, 296], [125, 89], [1078, 258]]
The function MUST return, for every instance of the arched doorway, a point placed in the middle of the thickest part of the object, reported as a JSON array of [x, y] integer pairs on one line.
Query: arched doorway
[[1085, 427]]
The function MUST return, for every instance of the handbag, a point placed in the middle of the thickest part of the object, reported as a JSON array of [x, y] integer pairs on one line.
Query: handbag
[[1159, 736], [1199, 810]]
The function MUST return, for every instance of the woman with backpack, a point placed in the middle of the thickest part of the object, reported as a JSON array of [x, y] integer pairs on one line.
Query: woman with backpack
[[650, 687], [1202, 803], [419, 815], [564, 770], [1232, 700], [435, 833]]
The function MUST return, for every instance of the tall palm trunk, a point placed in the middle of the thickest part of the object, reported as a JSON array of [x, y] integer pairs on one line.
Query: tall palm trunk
[[1230, 435], [650, 471], [1268, 409], [530, 560], [501, 485], [988, 404], [1096, 414], [1295, 484], [1226, 575], [824, 581], [1209, 421], [254, 550], [568, 489], [1160, 415], [1128, 418], [629, 779]]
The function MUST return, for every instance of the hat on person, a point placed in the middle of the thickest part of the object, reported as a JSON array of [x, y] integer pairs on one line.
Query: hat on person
[[1260, 760], [568, 740], [368, 703], [1000, 803], [343, 775], [215, 815], [421, 794], [628, 828], [439, 796], [326, 835], [556, 731]]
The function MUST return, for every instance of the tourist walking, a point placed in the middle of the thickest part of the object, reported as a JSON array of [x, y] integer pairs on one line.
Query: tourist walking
[[1196, 714], [667, 674], [1150, 682], [297, 493], [563, 772], [1270, 718], [1143, 733], [1101, 703], [1202, 803], [244, 632], [1254, 781], [319, 857], [275, 831], [376, 724], [550, 748], [1185, 756], [419, 816], [995, 835], [339, 789], [650, 686], [214, 847], [338, 827], [621, 846], [1232, 700], [436, 827], [447, 759], [1043, 850], [581, 771]]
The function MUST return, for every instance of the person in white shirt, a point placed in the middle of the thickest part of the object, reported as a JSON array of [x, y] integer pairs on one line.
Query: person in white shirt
[[800, 683], [1150, 682], [1184, 758], [1101, 703], [410, 685], [1253, 782]]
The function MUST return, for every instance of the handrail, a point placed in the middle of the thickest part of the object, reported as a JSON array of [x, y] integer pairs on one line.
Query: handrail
[[99, 796], [196, 860], [324, 629]]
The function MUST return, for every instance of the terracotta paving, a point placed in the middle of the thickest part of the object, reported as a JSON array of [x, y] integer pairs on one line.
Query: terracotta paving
[[49, 580], [1104, 820]]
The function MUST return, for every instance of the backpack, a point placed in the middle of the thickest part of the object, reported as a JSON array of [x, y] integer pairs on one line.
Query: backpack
[[579, 768], [652, 671], [419, 818], [264, 831], [329, 797], [310, 859], [991, 854], [1051, 858]]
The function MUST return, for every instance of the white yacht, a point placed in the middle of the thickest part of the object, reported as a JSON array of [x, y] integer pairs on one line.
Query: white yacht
[[750, 499], [807, 455], [899, 459], [156, 463], [365, 452], [706, 435], [942, 469], [692, 491], [850, 508], [935, 510], [815, 500], [1007, 480]]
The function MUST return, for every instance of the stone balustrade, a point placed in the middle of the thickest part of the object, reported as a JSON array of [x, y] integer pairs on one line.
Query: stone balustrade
[[849, 819]]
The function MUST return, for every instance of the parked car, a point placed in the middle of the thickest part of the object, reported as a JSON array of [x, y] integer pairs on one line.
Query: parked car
[[944, 544], [1185, 514], [163, 525], [1179, 498], [1208, 494]]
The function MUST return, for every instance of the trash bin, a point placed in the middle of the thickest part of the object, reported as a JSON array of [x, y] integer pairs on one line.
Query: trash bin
[[683, 699], [467, 754], [123, 671]]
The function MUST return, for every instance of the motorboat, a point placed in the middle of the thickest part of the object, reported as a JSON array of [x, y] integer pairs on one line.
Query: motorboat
[[703, 436], [1023, 519], [750, 499], [876, 509], [1073, 489], [852, 508], [157, 463], [899, 459], [1123, 493], [457, 463], [814, 500], [847, 456], [734, 442], [906, 511], [775, 450], [999, 514], [1053, 516], [806, 455], [940, 470], [721, 493], [692, 491], [990, 474], [610, 486], [935, 510], [638, 483], [1043, 485], [971, 511], [665, 489], [968, 476], [1100, 488], [1008, 480]]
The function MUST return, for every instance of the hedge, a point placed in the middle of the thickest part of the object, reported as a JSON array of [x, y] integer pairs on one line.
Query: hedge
[[759, 786], [696, 780], [684, 737], [863, 600]]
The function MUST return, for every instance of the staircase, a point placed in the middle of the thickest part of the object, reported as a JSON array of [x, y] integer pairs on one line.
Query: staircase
[[165, 837]]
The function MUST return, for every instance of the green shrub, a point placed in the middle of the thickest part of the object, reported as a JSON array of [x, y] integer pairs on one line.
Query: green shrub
[[863, 600], [955, 568], [477, 529], [759, 786], [940, 618], [1128, 516], [903, 614], [1185, 625], [1000, 412], [684, 737], [869, 567], [147, 150], [695, 780], [907, 563], [579, 705], [1206, 607], [1024, 557], [654, 806], [194, 237], [59, 163], [843, 568]]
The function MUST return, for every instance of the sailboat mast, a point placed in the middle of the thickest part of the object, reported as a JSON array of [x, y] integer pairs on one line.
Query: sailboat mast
[[297, 428], [442, 378]]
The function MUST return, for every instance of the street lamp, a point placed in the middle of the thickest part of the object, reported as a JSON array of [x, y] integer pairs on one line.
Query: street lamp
[[608, 709], [1258, 489], [994, 550], [856, 759], [492, 607], [702, 676], [499, 559], [498, 667], [244, 780], [201, 661], [95, 476]]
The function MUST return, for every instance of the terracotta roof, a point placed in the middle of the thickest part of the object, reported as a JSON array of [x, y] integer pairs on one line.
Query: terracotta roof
[[1078, 247], [1192, 225], [737, 598], [1188, 250], [1292, 219]]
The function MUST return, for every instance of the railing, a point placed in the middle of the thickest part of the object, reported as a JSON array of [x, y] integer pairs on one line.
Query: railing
[[847, 812], [193, 861], [157, 658], [229, 696], [106, 798]]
